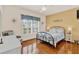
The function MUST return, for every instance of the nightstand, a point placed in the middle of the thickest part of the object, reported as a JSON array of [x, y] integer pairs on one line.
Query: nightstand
[[69, 37]]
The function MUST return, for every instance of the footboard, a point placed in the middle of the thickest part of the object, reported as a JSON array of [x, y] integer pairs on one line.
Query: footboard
[[44, 36]]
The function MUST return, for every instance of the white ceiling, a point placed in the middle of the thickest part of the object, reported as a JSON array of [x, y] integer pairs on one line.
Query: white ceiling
[[51, 9]]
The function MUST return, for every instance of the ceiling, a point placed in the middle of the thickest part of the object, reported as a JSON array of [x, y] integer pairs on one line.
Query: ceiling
[[50, 9]]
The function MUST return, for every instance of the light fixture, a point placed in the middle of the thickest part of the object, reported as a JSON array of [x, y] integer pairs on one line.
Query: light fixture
[[14, 20], [43, 9], [70, 28]]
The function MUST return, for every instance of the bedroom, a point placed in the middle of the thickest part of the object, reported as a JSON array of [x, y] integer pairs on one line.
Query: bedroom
[[14, 21]]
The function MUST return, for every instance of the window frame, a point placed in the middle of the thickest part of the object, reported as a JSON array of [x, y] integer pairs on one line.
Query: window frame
[[32, 25]]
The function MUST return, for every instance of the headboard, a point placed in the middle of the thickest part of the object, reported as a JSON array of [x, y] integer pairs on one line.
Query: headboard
[[57, 29]]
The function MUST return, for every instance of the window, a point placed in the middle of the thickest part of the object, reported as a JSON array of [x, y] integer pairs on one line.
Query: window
[[30, 24]]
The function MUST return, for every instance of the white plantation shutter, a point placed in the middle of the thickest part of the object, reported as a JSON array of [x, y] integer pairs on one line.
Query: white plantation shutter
[[30, 24]]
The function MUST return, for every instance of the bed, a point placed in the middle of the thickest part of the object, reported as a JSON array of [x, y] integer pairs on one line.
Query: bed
[[53, 36]]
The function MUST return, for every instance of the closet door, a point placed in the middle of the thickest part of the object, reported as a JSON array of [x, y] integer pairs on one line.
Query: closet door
[[0, 23], [1, 11], [0, 27]]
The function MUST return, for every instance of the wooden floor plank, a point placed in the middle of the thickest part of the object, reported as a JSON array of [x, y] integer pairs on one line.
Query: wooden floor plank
[[62, 48]]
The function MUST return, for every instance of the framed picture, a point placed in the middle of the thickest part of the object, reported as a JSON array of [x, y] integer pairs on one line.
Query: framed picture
[[77, 14]]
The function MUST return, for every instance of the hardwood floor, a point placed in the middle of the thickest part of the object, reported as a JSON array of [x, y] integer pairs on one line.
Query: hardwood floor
[[28, 42], [62, 48]]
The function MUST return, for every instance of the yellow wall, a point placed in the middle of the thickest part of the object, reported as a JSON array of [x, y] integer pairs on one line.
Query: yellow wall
[[68, 20]]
